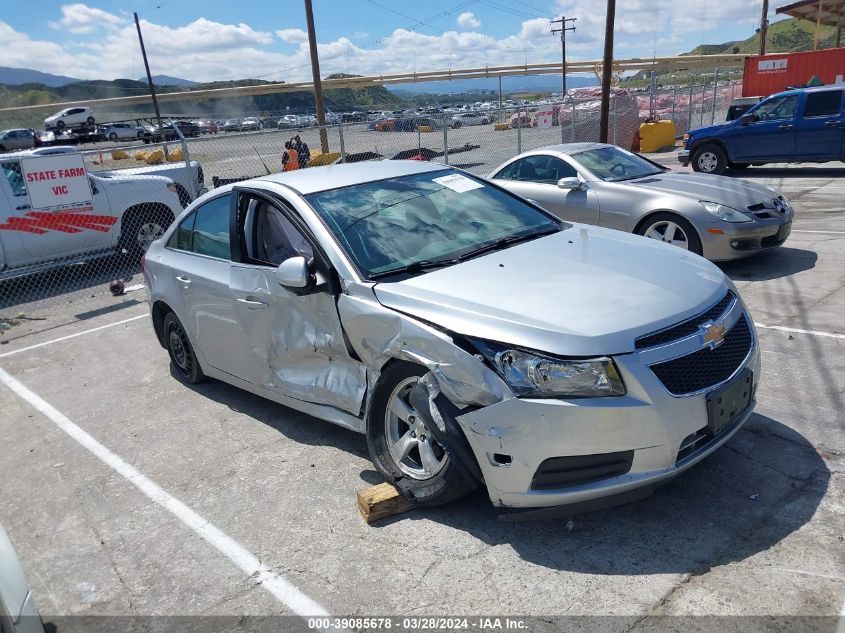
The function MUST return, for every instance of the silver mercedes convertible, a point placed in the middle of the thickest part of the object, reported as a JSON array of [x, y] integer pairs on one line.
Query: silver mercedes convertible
[[475, 338]]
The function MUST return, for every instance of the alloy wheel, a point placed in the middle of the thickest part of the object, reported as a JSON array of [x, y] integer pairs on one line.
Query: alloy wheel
[[413, 449], [148, 232], [707, 162], [669, 232]]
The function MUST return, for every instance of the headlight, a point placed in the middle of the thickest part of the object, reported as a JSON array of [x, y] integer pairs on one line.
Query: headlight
[[724, 213], [534, 375], [685, 140]]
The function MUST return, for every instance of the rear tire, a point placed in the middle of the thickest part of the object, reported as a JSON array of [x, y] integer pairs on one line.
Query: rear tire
[[90, 120], [710, 159], [658, 225], [430, 476], [183, 359]]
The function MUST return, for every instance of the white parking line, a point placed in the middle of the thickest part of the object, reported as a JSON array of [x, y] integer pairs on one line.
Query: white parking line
[[69, 336], [795, 330], [278, 586]]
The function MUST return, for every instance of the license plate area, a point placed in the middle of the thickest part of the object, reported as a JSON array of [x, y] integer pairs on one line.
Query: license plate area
[[726, 404]]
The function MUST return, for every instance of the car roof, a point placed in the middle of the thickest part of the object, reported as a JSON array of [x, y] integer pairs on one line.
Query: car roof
[[315, 179], [808, 89]]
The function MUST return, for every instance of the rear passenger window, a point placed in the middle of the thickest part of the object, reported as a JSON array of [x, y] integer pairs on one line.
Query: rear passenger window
[[211, 228], [826, 103]]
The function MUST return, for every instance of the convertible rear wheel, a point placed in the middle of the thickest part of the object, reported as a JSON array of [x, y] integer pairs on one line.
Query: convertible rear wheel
[[400, 445], [672, 229]]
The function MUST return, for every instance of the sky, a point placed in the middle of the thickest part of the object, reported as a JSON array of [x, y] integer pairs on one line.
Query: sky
[[212, 40]]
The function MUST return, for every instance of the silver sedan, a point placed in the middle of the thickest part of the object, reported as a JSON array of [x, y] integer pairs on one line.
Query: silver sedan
[[718, 217], [474, 338]]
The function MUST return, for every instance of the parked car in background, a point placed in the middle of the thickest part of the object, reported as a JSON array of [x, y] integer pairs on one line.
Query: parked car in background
[[206, 126], [250, 123], [231, 125], [123, 131], [18, 611], [471, 118], [474, 338], [805, 125], [168, 132], [595, 183], [21, 138], [70, 118]]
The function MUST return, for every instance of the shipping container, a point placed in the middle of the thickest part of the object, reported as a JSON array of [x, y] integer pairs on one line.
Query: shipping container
[[768, 74]]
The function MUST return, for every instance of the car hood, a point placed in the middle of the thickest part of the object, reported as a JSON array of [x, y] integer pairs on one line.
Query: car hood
[[733, 192], [585, 291]]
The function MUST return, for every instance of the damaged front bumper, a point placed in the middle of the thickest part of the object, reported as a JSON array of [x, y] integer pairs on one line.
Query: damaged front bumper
[[535, 453]]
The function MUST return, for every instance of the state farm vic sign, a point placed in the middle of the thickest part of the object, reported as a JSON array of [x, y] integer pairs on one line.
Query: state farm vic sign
[[57, 183]]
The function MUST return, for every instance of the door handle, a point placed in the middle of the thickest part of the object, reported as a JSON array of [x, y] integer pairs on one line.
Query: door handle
[[184, 280], [253, 303], [23, 207], [785, 126]]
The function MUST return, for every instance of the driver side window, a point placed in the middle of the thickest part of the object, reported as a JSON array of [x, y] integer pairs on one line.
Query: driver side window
[[541, 168], [269, 236], [778, 109]]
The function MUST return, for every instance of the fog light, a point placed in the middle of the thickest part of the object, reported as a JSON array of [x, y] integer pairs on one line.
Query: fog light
[[734, 244]]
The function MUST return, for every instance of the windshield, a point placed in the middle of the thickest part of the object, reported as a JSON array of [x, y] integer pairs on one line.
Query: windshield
[[393, 223], [612, 164]]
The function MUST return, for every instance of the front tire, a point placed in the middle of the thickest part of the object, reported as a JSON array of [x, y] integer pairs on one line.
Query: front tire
[[183, 359], [400, 446], [113, 137], [710, 159], [60, 124], [671, 228]]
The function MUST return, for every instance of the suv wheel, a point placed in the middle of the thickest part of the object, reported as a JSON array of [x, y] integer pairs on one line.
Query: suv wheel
[[709, 159], [141, 230], [400, 445]]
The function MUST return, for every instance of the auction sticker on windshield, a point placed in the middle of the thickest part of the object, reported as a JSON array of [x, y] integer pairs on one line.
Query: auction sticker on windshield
[[457, 182], [57, 182]]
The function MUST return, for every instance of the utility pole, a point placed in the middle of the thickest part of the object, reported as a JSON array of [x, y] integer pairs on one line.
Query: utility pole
[[764, 26], [607, 69], [149, 76], [562, 20], [315, 73]]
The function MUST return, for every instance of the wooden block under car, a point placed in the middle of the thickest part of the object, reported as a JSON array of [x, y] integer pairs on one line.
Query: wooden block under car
[[382, 501]]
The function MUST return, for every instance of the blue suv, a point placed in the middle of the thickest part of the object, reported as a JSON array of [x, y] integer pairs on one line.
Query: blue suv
[[798, 126]]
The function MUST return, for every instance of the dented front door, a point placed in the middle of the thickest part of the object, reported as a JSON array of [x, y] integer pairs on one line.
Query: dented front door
[[294, 345]]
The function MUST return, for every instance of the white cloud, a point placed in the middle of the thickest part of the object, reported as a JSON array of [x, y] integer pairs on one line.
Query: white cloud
[[468, 20], [292, 36], [82, 19]]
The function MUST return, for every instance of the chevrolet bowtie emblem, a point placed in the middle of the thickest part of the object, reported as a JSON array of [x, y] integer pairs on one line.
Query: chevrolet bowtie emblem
[[714, 335]]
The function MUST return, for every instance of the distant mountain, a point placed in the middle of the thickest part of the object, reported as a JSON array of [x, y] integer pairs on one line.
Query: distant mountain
[[167, 80], [523, 83], [783, 36], [18, 76]]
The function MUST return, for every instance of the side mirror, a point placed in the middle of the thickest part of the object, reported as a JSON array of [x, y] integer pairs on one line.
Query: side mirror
[[745, 119], [570, 183], [293, 273]]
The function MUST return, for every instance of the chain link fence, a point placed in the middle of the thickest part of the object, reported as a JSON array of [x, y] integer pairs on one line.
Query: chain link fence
[[68, 254]]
